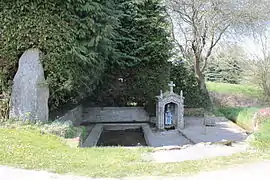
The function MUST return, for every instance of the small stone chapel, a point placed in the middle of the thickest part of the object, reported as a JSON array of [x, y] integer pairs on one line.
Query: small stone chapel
[[170, 110]]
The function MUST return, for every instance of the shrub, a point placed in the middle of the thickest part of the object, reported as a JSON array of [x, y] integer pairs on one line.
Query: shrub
[[63, 129], [4, 108], [185, 80]]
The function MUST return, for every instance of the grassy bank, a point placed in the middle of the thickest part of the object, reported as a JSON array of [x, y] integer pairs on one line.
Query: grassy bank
[[243, 117], [236, 89], [262, 137], [28, 147], [240, 115]]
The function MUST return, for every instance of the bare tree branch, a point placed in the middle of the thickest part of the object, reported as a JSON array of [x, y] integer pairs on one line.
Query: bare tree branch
[[213, 44], [203, 23]]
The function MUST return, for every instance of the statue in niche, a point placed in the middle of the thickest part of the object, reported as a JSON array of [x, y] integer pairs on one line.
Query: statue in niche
[[168, 116]]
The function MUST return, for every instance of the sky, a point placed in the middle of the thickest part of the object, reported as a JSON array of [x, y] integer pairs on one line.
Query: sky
[[254, 47]]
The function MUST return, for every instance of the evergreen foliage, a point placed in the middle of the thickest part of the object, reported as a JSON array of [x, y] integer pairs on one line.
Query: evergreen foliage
[[227, 65], [141, 68], [224, 71], [114, 52], [74, 36], [185, 80]]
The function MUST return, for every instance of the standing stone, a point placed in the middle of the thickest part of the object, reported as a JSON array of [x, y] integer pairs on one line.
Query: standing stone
[[30, 93]]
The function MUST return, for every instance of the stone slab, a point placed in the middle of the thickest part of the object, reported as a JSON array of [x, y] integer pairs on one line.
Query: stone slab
[[74, 115], [167, 138], [223, 130], [115, 114], [93, 137]]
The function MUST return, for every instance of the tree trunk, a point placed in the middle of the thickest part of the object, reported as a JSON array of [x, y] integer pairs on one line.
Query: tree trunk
[[202, 84]]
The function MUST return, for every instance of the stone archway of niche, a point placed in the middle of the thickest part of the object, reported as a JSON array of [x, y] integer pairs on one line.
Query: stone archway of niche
[[176, 113]]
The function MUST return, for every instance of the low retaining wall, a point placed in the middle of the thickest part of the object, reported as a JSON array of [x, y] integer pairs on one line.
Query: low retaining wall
[[194, 111], [115, 114], [74, 115]]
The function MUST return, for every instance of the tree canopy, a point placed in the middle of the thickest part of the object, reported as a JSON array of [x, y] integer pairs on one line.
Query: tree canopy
[[117, 52], [200, 25], [74, 36], [141, 68], [88, 46]]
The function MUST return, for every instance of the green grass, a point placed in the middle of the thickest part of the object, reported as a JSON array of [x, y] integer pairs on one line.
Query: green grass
[[240, 115], [236, 89], [243, 117], [262, 137], [27, 147]]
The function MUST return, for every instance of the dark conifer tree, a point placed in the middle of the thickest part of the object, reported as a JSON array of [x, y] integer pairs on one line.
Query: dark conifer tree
[[141, 66]]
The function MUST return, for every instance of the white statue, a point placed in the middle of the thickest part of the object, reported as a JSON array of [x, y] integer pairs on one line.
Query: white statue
[[168, 117]]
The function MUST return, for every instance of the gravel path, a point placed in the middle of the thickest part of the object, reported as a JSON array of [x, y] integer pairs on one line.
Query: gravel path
[[258, 171]]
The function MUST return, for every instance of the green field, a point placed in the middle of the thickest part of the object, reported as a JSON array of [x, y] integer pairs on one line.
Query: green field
[[236, 89]]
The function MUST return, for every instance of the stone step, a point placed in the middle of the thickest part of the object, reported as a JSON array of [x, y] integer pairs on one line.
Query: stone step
[[93, 137]]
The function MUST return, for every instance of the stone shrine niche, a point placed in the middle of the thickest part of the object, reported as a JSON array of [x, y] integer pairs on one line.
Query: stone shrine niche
[[170, 110]]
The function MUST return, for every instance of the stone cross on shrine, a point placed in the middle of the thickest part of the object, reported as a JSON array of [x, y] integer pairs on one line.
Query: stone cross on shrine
[[171, 85]]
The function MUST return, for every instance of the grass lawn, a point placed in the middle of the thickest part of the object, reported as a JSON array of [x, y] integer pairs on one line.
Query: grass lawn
[[240, 115], [236, 89], [29, 148]]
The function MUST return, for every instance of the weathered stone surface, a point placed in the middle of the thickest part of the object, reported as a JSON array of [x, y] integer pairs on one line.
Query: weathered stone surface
[[115, 114], [74, 116], [176, 109], [30, 93]]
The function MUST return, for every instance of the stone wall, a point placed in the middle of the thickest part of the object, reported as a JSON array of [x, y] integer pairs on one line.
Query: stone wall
[[74, 115], [194, 111], [115, 114], [79, 114]]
